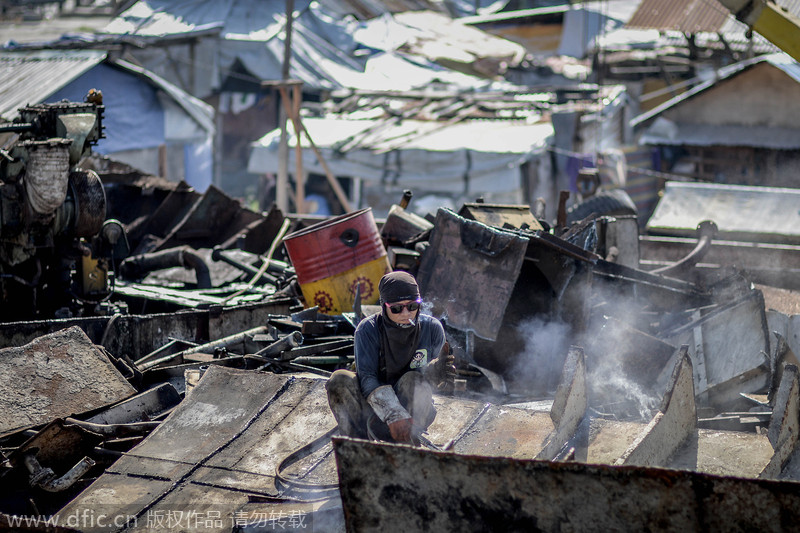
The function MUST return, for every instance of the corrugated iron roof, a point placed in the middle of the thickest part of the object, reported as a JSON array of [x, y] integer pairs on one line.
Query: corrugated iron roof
[[694, 16], [689, 16], [30, 77]]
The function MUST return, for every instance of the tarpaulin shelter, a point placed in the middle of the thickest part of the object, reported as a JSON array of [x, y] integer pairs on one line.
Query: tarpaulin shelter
[[469, 158], [143, 112]]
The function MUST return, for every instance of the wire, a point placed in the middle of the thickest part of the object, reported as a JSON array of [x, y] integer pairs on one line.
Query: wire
[[301, 453]]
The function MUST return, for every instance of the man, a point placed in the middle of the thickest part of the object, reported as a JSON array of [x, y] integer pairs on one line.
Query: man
[[396, 360]]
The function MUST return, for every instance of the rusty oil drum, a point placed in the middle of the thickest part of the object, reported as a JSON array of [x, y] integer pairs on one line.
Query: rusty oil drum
[[334, 257]]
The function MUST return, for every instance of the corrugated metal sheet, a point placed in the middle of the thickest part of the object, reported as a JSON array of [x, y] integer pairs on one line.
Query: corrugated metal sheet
[[31, 77], [693, 16], [688, 16]]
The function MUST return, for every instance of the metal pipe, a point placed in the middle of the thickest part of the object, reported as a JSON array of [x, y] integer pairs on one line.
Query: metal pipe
[[292, 340], [323, 359], [206, 348], [115, 430], [706, 231], [46, 479]]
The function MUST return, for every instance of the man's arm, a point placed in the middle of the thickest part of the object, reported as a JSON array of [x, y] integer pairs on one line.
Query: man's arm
[[367, 352]]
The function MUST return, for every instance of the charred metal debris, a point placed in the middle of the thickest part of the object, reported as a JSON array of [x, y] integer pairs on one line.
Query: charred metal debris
[[174, 353]]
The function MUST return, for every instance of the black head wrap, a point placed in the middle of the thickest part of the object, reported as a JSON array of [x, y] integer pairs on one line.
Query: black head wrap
[[398, 341]]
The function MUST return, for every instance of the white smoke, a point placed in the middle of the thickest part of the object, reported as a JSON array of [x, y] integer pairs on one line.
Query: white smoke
[[538, 367]]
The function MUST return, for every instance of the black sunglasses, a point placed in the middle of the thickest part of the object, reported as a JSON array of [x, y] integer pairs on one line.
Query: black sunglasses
[[398, 308]]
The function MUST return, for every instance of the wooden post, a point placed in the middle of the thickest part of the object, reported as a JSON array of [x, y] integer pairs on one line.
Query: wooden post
[[300, 182], [300, 129], [283, 149], [162, 161]]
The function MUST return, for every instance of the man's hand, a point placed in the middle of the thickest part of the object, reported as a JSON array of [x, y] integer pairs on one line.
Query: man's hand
[[445, 370], [401, 430]]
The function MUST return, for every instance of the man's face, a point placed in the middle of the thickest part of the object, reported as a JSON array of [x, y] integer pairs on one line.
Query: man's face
[[400, 313]]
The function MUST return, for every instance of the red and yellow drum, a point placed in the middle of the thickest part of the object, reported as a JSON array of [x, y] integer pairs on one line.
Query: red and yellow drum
[[334, 257]]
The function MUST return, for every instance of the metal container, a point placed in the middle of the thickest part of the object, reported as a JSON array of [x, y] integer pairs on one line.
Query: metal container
[[334, 257]]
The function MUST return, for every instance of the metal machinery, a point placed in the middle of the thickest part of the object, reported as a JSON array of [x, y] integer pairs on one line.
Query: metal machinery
[[776, 23], [57, 251]]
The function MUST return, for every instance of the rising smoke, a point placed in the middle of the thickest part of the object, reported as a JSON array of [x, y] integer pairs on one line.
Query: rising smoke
[[612, 391]]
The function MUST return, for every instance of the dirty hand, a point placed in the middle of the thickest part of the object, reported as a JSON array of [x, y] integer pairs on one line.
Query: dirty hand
[[448, 371], [401, 430], [445, 369]]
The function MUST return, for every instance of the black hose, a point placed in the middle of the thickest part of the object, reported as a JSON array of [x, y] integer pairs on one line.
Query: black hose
[[138, 265], [299, 454]]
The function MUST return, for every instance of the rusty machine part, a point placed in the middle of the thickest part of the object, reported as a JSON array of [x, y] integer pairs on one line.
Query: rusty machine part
[[57, 250]]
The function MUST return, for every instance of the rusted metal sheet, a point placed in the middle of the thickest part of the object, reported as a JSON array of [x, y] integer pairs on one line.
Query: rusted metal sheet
[[55, 376], [505, 432], [144, 406], [497, 215], [742, 213], [672, 440], [488, 261], [388, 487], [220, 446], [139, 335], [673, 424], [569, 404], [729, 346], [211, 220], [784, 427]]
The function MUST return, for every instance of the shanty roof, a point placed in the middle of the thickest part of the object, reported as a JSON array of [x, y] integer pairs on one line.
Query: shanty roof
[[441, 39], [326, 50], [31, 77], [694, 16], [665, 23], [483, 155], [689, 16], [142, 109], [660, 132]]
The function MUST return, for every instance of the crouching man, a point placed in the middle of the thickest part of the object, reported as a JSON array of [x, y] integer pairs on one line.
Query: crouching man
[[397, 362]]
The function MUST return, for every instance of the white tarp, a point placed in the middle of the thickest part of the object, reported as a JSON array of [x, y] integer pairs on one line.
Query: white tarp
[[476, 156]]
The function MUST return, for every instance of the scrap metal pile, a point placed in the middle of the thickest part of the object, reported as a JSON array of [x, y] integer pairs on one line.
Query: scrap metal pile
[[204, 374]]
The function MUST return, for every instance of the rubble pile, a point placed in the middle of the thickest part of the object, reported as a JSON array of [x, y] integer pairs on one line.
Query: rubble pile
[[203, 386]]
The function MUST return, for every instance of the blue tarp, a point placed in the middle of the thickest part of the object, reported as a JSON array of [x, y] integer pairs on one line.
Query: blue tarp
[[134, 117]]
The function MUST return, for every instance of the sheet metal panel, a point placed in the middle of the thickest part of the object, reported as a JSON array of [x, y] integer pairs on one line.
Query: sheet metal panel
[[689, 16], [219, 445], [742, 213], [30, 77], [56, 375], [489, 260], [448, 492]]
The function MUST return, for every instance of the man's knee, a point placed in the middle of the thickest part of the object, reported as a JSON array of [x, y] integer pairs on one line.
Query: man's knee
[[341, 382], [413, 384]]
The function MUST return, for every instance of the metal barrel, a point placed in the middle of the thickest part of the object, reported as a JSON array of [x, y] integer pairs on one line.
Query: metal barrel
[[334, 257]]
